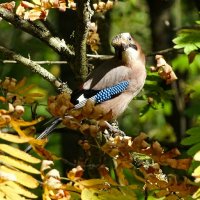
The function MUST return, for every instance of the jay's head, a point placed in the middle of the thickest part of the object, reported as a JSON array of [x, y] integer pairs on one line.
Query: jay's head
[[127, 48]]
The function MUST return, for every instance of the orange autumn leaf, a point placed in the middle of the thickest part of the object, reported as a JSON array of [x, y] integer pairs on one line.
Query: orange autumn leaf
[[105, 174], [93, 39], [39, 148], [75, 173], [103, 6], [9, 6], [39, 9]]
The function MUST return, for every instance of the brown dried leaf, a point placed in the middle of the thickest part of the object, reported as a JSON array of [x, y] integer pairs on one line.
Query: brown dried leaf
[[9, 6], [139, 142], [72, 123], [3, 99], [192, 56], [36, 13], [164, 70], [63, 110], [75, 174], [76, 113], [93, 130], [107, 116], [98, 112], [39, 9], [103, 6], [44, 153], [93, 39], [84, 128], [180, 163], [109, 5], [88, 109], [104, 172]]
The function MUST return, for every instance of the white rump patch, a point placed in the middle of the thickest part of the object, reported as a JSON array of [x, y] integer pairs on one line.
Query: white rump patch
[[81, 98]]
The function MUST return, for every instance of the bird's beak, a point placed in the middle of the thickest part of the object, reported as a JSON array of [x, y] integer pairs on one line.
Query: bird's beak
[[119, 43]]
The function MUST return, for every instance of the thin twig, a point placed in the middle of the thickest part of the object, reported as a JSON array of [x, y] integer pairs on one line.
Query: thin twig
[[61, 62], [90, 57], [46, 62], [164, 51], [36, 68], [99, 57], [193, 27]]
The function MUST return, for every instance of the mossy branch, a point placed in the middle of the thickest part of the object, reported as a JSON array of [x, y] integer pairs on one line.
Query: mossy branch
[[36, 68], [57, 44], [84, 14]]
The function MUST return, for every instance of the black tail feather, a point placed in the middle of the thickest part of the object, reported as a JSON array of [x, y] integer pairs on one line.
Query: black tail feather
[[46, 132]]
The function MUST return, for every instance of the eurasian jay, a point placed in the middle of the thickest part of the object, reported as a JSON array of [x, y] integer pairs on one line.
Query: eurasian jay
[[115, 83], [122, 77]]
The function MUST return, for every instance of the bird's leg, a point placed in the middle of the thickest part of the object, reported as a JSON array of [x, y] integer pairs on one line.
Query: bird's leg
[[114, 128]]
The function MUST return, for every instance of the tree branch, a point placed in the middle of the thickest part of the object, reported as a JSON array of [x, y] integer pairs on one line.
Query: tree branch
[[90, 57], [46, 62], [36, 68], [99, 57], [164, 51], [84, 14], [39, 32]]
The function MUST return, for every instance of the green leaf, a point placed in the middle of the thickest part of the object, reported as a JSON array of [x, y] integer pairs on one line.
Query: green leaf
[[188, 39], [189, 48], [194, 130], [191, 140], [193, 149]]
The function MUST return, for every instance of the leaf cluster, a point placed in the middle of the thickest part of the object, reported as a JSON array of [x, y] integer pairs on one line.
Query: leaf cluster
[[142, 160], [189, 41]]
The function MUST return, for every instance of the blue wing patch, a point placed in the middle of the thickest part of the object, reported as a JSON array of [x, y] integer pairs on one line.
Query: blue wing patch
[[106, 94], [109, 92]]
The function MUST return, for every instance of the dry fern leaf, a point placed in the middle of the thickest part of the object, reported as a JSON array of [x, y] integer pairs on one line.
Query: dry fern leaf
[[2, 195], [17, 124], [10, 194], [20, 190], [92, 183], [4, 176], [18, 164], [22, 178], [18, 153], [14, 138], [23, 123]]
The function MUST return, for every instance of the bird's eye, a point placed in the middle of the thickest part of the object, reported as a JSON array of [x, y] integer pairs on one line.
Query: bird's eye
[[130, 38]]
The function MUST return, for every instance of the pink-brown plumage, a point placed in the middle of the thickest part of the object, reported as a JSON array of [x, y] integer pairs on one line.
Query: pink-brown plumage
[[127, 65]]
